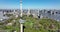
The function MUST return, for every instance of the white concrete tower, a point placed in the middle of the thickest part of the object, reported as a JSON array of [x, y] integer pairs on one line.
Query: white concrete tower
[[21, 27], [28, 13], [14, 10], [38, 12], [54, 12], [51, 12], [21, 7]]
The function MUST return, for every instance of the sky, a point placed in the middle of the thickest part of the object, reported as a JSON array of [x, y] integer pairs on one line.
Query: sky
[[32, 4]]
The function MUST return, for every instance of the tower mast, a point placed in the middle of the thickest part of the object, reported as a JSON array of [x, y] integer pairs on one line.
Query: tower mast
[[21, 7]]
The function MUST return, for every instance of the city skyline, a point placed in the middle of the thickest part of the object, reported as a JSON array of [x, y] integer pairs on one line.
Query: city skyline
[[32, 4]]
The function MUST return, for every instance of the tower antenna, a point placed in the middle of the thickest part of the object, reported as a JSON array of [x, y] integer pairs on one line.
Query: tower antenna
[[21, 7]]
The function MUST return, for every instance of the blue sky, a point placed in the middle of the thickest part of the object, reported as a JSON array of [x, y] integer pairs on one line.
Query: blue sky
[[33, 4], [9, 4]]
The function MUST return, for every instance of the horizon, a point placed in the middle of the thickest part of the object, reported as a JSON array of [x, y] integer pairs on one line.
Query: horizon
[[32, 4]]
